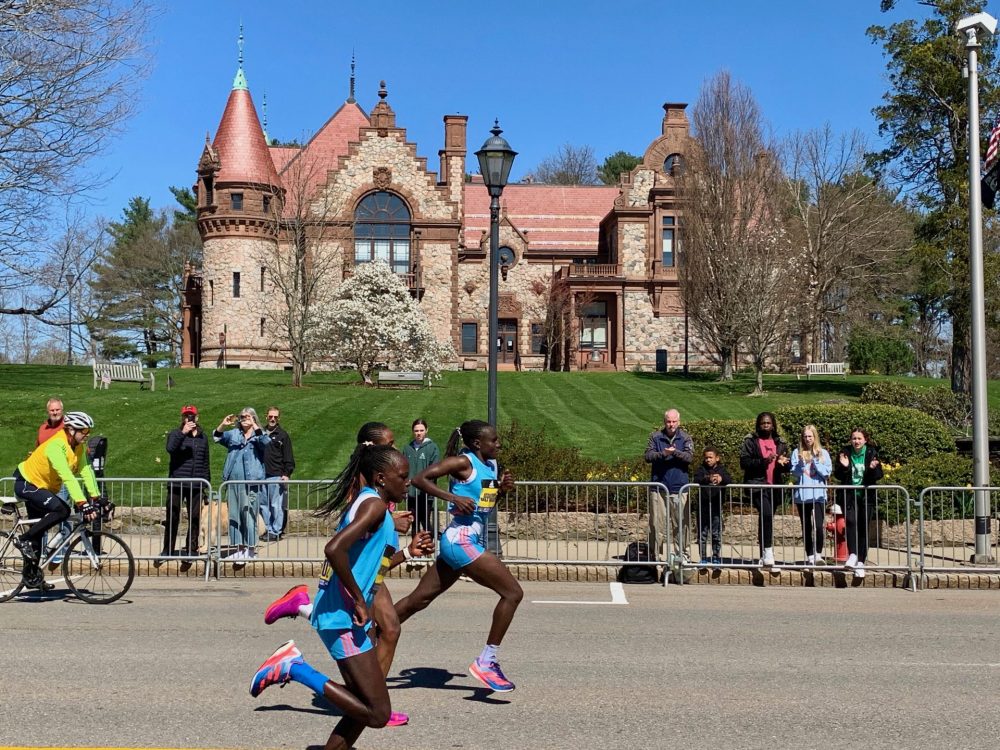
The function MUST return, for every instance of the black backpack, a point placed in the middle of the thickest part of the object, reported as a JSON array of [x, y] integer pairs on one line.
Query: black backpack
[[637, 552]]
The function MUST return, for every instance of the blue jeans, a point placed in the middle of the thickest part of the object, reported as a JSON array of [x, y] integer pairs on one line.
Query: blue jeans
[[271, 506]]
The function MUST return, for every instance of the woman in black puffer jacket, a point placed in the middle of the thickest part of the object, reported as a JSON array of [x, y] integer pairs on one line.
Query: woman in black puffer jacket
[[857, 465], [764, 460]]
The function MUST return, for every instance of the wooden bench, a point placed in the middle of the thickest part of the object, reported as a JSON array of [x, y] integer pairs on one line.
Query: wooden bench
[[125, 372], [824, 368], [417, 379]]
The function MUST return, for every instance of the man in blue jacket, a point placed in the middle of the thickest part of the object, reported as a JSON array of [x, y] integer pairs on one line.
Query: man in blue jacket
[[670, 451]]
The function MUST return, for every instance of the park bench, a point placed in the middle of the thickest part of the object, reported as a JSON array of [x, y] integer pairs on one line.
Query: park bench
[[416, 378], [126, 372], [824, 368]]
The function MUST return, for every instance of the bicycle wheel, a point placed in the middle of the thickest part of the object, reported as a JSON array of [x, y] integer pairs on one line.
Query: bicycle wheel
[[98, 576], [10, 568]]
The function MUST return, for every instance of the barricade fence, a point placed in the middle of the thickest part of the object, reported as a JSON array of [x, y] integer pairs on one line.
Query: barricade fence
[[733, 526], [948, 526], [581, 523]]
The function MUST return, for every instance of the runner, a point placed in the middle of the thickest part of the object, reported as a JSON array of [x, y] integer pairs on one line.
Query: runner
[[362, 549], [473, 489]]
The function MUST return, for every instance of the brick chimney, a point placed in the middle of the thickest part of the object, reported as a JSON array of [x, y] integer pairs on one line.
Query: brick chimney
[[453, 155]]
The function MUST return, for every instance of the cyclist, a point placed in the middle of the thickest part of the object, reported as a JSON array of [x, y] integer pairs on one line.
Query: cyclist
[[37, 480]]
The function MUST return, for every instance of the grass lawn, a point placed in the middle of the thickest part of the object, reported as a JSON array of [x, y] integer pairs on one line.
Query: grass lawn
[[608, 415]]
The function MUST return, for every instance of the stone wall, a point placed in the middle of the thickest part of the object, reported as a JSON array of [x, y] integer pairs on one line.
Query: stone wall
[[645, 333]]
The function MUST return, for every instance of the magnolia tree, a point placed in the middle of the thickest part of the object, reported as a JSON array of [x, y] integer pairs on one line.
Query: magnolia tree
[[373, 320]]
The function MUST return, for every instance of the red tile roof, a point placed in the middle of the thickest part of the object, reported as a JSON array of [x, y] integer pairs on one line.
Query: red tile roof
[[553, 217], [281, 155], [240, 144]]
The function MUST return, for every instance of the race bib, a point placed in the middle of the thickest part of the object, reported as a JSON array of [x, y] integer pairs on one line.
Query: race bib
[[488, 495]]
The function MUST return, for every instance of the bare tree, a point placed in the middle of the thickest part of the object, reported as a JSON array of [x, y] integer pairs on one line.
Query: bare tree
[[851, 229], [570, 165], [302, 267], [68, 74]]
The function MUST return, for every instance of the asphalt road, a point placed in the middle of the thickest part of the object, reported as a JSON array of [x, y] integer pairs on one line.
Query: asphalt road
[[683, 667]]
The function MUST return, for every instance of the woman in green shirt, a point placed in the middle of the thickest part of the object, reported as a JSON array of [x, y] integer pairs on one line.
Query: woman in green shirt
[[858, 465], [421, 452]]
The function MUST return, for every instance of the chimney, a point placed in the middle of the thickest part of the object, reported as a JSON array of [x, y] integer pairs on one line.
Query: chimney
[[453, 155], [675, 117]]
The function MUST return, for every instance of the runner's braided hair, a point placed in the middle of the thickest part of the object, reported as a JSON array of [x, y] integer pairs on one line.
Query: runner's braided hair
[[367, 460], [467, 434]]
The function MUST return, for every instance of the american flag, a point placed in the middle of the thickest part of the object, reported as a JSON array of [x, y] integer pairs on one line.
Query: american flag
[[992, 149]]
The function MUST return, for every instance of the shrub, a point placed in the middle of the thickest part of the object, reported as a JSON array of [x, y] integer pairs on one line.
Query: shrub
[[530, 455], [940, 470], [868, 351], [954, 409]]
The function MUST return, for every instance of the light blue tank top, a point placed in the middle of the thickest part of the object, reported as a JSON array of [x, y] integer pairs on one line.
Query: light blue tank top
[[482, 486], [369, 558]]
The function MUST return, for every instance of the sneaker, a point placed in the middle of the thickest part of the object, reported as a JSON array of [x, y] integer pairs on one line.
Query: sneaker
[[491, 676], [767, 560], [704, 561], [859, 570], [716, 559], [810, 559], [397, 719], [250, 554], [287, 606], [818, 560], [276, 670], [851, 562], [40, 584], [27, 549]]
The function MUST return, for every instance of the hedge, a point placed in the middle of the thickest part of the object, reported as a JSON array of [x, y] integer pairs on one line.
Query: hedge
[[954, 409]]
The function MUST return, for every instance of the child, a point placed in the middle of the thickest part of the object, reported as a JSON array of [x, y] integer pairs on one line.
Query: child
[[473, 487], [838, 527], [363, 548], [712, 475]]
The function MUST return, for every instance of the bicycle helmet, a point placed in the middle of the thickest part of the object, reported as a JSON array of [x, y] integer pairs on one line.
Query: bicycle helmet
[[78, 420]]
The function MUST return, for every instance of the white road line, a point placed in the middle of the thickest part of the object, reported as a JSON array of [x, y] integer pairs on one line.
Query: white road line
[[617, 597]]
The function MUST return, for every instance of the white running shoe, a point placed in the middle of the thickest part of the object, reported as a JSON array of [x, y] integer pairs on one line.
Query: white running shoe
[[851, 561], [810, 559], [859, 570], [768, 559]]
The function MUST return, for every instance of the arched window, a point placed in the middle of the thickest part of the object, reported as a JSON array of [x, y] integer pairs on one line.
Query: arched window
[[673, 164], [382, 231]]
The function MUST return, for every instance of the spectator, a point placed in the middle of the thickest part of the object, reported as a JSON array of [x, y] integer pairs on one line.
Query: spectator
[[53, 424], [244, 466], [421, 452], [811, 467], [712, 476], [279, 463], [187, 446], [670, 452], [858, 465], [764, 460]]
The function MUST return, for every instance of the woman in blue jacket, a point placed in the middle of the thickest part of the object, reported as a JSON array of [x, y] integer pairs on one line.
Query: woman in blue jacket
[[244, 465], [811, 467]]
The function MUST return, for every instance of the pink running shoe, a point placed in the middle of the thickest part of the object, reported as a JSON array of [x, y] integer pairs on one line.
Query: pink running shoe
[[276, 669], [397, 719], [287, 605], [491, 676]]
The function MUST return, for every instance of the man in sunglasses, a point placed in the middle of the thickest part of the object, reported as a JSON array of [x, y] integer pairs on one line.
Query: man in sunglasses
[[62, 459]]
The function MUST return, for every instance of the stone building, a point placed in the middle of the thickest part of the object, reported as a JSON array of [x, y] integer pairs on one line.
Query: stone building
[[589, 272]]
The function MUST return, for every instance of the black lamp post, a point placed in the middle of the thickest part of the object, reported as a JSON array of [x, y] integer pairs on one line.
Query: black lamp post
[[496, 157], [70, 278]]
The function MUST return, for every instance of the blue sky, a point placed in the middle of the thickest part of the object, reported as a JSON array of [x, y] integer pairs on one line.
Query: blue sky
[[554, 71]]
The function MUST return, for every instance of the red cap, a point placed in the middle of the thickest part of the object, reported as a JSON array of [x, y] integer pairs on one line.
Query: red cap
[[189, 409]]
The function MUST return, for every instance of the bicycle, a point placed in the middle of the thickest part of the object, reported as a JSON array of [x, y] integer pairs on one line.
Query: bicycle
[[97, 565]]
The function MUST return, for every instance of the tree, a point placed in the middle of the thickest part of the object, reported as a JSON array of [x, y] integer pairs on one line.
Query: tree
[[924, 121], [301, 267], [373, 320], [570, 165], [851, 229], [189, 205], [619, 162], [139, 282], [736, 268], [68, 74]]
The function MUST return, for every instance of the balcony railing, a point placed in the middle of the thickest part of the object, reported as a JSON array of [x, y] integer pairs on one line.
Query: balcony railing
[[412, 280], [595, 270]]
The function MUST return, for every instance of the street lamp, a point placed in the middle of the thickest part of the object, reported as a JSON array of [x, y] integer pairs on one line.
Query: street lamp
[[70, 278], [971, 27], [496, 157]]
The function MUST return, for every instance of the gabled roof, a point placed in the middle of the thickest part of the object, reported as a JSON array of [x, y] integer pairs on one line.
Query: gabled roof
[[324, 149], [281, 155], [240, 145], [553, 217]]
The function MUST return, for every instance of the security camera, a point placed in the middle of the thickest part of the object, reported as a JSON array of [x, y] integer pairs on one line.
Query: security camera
[[979, 22]]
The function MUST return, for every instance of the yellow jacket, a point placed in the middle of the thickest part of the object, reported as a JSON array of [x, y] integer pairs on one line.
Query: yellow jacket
[[55, 463]]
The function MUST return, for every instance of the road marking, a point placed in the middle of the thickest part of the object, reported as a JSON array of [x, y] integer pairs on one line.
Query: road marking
[[949, 664], [617, 597]]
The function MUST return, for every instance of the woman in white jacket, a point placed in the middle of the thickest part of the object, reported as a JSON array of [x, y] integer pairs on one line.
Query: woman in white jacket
[[811, 467]]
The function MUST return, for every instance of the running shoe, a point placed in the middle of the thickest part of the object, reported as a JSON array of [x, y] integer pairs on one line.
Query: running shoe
[[397, 719], [491, 676], [276, 670], [287, 606]]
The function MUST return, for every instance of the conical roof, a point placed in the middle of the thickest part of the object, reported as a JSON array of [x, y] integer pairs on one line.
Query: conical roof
[[240, 144]]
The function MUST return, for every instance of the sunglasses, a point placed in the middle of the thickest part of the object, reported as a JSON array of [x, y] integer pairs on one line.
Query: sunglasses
[[85, 433]]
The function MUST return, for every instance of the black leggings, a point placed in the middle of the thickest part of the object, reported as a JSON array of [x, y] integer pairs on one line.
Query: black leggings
[[856, 518], [812, 526], [188, 496], [763, 501], [49, 510]]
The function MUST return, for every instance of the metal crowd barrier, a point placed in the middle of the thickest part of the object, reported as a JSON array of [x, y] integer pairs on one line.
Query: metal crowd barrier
[[887, 527], [947, 529]]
